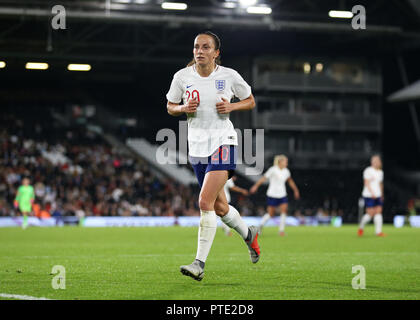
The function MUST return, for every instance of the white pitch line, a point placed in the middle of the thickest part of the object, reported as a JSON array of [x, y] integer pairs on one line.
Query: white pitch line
[[20, 297]]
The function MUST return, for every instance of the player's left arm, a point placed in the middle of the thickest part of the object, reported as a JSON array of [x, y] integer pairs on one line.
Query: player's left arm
[[32, 196], [294, 187], [382, 191], [226, 106]]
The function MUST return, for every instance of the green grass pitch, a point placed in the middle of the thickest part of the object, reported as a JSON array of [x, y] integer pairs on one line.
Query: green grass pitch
[[143, 263]]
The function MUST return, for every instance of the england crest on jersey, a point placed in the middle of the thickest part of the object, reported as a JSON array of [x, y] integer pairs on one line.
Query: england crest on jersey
[[220, 85]]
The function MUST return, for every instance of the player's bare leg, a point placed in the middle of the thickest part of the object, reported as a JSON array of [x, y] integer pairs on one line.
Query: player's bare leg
[[212, 184]]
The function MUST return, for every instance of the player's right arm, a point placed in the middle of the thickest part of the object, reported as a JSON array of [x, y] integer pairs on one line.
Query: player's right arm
[[174, 98], [255, 187], [367, 184], [175, 109], [16, 201]]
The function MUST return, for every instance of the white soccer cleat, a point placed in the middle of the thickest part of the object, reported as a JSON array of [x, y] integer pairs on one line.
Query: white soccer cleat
[[193, 270]]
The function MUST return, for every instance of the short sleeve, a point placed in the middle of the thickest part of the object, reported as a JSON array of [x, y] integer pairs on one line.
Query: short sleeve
[[269, 173], [175, 91], [240, 88], [230, 183], [366, 174]]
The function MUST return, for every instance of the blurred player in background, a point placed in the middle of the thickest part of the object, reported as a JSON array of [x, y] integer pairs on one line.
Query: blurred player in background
[[206, 88], [24, 200], [277, 175], [373, 193], [230, 185]]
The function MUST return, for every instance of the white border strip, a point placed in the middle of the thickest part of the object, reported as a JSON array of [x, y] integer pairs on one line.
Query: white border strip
[[20, 297]]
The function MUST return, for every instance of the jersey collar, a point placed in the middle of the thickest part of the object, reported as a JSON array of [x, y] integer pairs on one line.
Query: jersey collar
[[210, 75]]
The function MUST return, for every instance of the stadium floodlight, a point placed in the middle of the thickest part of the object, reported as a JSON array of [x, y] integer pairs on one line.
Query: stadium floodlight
[[306, 67], [174, 6], [230, 5], [78, 67], [259, 10], [340, 14], [36, 65], [319, 67], [2, 64], [246, 3]]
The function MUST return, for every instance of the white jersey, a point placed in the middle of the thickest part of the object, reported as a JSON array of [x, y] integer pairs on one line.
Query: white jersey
[[229, 184], [375, 177], [207, 129], [277, 178]]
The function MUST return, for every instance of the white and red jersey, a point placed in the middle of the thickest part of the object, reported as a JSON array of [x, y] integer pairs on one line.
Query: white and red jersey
[[207, 129], [375, 178], [277, 178]]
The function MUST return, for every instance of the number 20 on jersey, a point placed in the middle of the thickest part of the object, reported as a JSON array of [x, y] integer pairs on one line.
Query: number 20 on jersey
[[193, 95]]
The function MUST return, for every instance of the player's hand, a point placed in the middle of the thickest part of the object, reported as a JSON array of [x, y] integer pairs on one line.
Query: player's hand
[[224, 106], [190, 106], [245, 192], [253, 189], [297, 195], [15, 204]]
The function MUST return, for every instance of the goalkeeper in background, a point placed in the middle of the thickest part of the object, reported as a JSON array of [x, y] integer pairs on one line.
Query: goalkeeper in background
[[24, 199]]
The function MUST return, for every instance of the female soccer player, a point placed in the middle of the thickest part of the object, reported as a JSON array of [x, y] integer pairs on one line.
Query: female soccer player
[[278, 174], [373, 193], [24, 200], [230, 185], [206, 88]]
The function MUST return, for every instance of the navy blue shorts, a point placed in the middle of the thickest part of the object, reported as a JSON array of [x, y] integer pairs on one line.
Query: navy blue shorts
[[276, 201], [373, 202], [224, 158]]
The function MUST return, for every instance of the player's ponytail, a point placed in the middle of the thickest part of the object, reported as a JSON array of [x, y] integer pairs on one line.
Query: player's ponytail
[[217, 45]]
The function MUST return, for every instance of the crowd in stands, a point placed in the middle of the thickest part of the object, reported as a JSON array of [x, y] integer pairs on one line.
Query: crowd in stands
[[94, 179]]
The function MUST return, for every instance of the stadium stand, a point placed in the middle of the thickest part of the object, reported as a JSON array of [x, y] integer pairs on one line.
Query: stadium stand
[[74, 172]]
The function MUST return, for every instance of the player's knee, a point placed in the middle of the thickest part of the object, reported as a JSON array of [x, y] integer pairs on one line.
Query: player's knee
[[205, 204], [221, 208]]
